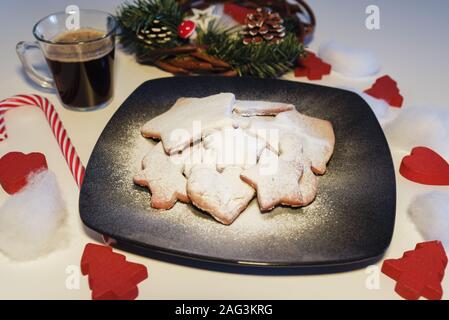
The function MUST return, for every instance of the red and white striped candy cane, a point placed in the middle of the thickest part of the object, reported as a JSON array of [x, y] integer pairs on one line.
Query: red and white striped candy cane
[[33, 100]]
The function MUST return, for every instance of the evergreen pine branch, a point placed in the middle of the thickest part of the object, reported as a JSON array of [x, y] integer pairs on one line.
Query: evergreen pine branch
[[262, 60], [215, 34], [133, 16]]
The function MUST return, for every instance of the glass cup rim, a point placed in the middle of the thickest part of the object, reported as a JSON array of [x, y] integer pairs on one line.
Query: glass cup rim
[[106, 35]]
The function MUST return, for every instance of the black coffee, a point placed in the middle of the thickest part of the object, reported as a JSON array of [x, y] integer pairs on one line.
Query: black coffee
[[83, 72]]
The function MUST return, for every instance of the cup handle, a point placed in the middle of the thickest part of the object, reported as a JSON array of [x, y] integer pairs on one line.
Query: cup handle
[[21, 48]]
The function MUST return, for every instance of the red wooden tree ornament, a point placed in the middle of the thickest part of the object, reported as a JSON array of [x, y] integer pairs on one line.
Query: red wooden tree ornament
[[419, 272], [386, 88], [111, 277], [312, 67]]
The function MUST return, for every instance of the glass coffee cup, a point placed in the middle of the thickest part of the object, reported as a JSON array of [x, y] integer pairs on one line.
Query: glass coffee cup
[[80, 60]]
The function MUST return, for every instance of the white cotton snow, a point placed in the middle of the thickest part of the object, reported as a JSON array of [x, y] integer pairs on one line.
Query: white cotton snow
[[416, 126], [350, 62], [430, 214], [32, 221]]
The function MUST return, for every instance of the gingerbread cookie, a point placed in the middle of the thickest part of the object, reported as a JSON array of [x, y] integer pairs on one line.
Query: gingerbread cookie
[[223, 195], [291, 149], [219, 153], [316, 135], [163, 177], [188, 119], [247, 108], [308, 184], [277, 181], [234, 147], [194, 155]]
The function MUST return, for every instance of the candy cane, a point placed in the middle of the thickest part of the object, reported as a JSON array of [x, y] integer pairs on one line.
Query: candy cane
[[68, 150]]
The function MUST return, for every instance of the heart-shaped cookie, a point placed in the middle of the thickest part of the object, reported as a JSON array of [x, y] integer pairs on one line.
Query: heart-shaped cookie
[[425, 166], [15, 168], [223, 195]]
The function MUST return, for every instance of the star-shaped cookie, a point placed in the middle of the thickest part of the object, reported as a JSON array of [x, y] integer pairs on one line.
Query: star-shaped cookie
[[278, 181], [163, 177], [188, 119]]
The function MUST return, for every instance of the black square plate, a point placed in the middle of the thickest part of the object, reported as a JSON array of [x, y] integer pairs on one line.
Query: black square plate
[[351, 220]]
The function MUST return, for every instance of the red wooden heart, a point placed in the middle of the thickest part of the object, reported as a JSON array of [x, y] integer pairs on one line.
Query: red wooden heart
[[425, 166], [15, 168]]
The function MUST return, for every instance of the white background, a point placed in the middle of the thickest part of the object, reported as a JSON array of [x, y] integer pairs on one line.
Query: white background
[[412, 45]]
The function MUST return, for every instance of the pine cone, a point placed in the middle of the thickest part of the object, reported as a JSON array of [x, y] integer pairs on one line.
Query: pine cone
[[264, 25], [155, 33]]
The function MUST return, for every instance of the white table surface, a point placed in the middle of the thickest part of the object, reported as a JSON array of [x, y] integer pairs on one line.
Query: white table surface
[[412, 45]]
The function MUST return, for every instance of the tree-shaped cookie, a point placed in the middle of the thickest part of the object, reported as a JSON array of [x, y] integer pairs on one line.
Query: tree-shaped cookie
[[188, 119], [163, 176]]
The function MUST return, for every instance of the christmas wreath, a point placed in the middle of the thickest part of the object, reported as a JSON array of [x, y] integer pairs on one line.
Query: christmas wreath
[[248, 38]]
